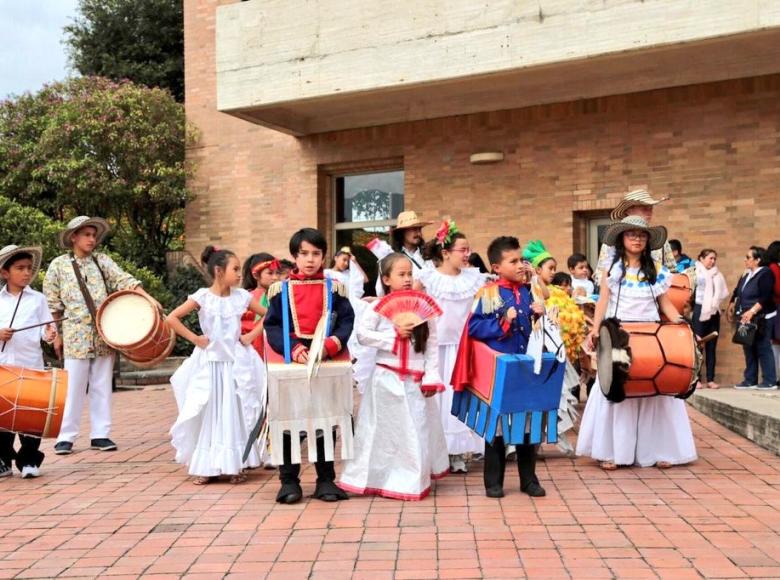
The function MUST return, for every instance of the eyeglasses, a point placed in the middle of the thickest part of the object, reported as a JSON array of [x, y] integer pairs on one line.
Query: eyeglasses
[[466, 251], [636, 235]]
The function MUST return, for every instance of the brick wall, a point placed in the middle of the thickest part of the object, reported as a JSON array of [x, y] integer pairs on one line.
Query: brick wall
[[714, 148]]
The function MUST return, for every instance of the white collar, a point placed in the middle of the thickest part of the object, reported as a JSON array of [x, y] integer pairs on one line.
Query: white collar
[[4, 290]]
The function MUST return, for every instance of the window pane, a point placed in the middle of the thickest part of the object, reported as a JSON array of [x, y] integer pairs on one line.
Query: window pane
[[357, 240], [369, 196]]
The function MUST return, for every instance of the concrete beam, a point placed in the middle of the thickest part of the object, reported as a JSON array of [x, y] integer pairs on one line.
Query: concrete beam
[[305, 67]]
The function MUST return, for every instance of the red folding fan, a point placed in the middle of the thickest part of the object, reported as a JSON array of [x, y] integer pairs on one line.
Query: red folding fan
[[407, 306]]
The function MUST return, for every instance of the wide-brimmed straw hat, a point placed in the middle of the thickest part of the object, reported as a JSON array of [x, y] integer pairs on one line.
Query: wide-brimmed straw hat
[[657, 234], [409, 219], [83, 221], [633, 199], [10, 251]]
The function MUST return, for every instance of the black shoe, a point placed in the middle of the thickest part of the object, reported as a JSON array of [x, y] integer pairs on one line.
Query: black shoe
[[103, 445], [289, 493], [329, 491], [63, 448], [5, 471], [534, 489], [495, 492]]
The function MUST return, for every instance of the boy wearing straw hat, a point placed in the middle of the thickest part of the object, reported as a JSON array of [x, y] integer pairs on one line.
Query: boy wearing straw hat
[[75, 286], [21, 307], [635, 203]]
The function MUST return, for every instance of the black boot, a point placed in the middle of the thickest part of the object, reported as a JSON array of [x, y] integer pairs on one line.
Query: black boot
[[526, 466], [495, 465], [289, 475], [326, 489]]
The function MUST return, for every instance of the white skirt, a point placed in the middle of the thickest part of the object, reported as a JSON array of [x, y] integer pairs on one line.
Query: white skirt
[[641, 431], [399, 443], [460, 439], [219, 403]]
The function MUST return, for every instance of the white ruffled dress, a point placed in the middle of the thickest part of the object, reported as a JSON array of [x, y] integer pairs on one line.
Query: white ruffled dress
[[455, 295], [640, 431], [219, 391], [399, 442]]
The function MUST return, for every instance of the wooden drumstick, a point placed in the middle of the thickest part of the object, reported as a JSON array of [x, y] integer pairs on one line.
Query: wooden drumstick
[[33, 326]]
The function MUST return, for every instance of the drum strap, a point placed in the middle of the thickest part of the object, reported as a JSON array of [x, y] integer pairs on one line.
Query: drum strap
[[83, 286], [286, 322]]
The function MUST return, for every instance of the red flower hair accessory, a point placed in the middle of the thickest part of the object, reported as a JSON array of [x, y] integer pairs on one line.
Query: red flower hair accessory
[[445, 232]]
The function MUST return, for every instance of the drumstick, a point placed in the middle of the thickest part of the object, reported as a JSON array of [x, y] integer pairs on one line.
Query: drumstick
[[40, 324], [32, 326]]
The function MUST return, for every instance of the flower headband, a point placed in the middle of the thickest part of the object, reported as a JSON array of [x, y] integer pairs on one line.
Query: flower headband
[[272, 264], [536, 253], [445, 232]]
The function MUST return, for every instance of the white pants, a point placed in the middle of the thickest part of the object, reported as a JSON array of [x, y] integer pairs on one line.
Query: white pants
[[97, 373]]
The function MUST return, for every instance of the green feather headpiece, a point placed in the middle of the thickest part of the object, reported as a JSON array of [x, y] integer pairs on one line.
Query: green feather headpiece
[[536, 253]]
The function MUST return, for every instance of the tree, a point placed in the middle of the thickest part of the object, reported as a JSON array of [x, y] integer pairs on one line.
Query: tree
[[139, 40], [91, 146]]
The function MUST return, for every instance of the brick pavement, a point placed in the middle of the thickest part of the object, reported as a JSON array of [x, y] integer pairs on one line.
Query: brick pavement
[[134, 513]]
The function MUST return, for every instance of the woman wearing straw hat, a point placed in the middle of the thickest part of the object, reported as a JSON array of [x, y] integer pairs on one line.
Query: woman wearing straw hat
[[75, 286], [635, 203], [23, 324], [637, 431]]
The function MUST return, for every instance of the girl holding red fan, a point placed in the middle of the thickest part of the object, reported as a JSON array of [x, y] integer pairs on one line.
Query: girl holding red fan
[[453, 284], [399, 442]]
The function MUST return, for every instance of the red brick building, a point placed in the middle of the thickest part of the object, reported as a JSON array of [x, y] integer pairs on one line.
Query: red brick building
[[695, 118]]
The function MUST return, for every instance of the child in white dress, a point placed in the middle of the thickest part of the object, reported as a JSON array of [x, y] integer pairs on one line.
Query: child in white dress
[[637, 431], [399, 442], [222, 380], [453, 284]]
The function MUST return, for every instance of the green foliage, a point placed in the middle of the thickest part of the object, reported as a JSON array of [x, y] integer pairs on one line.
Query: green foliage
[[184, 281], [26, 226], [90, 146], [140, 40]]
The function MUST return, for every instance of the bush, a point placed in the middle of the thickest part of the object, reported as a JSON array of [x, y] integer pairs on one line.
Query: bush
[[27, 226], [185, 280]]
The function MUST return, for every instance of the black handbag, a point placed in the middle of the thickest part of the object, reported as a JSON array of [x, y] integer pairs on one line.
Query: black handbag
[[745, 334]]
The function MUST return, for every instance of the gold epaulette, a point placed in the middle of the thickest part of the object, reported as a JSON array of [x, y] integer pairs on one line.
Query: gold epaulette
[[338, 288], [489, 297], [274, 289]]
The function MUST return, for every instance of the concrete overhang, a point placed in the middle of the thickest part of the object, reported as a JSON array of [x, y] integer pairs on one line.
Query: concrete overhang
[[306, 66]]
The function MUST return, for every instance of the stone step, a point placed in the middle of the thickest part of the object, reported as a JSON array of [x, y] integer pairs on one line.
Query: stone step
[[752, 414], [133, 377]]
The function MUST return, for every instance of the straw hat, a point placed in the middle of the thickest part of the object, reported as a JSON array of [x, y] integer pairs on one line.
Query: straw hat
[[632, 199], [9, 251], [657, 234], [83, 221], [409, 219]]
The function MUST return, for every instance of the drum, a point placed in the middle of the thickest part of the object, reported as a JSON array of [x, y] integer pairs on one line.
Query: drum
[[313, 408], [663, 359], [505, 389], [32, 401], [680, 292], [132, 324]]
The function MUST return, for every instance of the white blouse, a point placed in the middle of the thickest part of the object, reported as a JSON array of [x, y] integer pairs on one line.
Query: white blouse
[[220, 320], [375, 331], [455, 295], [637, 298]]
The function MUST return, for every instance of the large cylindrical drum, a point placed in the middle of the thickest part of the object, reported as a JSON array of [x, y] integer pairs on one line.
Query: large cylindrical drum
[[132, 324], [665, 360], [32, 401]]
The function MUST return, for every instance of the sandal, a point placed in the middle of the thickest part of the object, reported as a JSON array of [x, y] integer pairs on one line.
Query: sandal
[[240, 478], [608, 465], [201, 480], [663, 465], [713, 385]]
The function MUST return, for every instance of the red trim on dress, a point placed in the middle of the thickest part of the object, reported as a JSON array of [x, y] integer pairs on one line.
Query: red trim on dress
[[392, 494]]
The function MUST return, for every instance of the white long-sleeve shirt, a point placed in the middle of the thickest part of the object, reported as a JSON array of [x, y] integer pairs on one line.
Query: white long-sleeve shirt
[[24, 348]]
